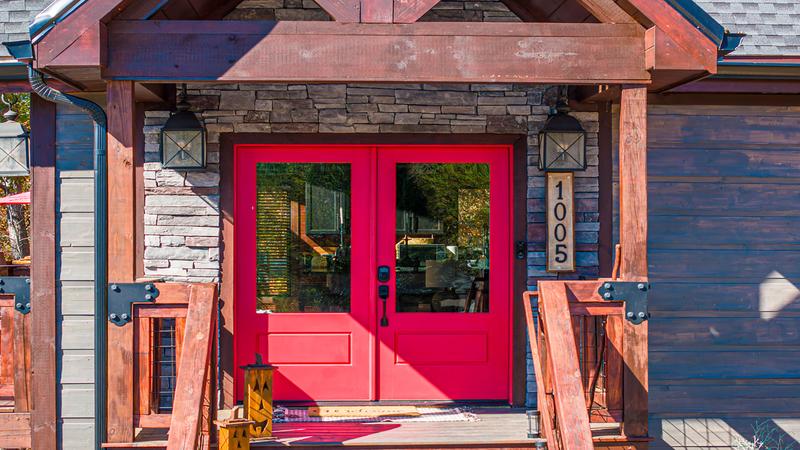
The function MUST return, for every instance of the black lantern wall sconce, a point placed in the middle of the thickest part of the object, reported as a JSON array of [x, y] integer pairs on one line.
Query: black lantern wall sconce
[[562, 141], [13, 145], [183, 139]]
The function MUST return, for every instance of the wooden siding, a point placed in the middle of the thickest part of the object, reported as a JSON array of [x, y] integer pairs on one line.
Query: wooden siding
[[75, 272], [724, 261]]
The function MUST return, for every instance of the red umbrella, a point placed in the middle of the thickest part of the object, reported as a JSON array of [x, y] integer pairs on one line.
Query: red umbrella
[[23, 198]]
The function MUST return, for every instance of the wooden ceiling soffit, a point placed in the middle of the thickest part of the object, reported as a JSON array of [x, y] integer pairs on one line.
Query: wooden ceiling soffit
[[606, 11], [247, 51], [525, 10]]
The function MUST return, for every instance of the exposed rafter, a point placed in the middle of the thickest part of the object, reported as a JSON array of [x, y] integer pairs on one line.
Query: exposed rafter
[[409, 11], [347, 11]]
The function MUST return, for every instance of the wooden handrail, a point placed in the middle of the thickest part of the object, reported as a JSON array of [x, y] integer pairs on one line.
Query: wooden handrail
[[574, 432], [195, 359]]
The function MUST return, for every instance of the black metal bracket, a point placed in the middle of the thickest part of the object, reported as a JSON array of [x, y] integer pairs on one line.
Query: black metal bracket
[[122, 295], [633, 293], [21, 288]]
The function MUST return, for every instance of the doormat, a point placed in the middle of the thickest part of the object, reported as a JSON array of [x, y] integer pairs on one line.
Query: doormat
[[363, 411], [424, 414]]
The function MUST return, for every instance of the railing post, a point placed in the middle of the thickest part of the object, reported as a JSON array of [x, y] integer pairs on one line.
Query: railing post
[[121, 254], [633, 237]]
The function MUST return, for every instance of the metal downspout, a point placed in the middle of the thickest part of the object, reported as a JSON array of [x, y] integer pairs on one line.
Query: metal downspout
[[100, 239]]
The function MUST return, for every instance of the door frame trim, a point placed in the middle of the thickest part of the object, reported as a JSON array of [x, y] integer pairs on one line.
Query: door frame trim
[[518, 180]]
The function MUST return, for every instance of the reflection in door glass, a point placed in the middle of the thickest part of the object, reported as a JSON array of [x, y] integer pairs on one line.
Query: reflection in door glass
[[303, 237], [442, 238]]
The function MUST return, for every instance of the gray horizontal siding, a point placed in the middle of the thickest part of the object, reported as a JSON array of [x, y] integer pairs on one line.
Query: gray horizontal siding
[[75, 272], [724, 262]]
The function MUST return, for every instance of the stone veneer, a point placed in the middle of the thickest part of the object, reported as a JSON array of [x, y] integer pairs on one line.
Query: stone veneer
[[182, 221]]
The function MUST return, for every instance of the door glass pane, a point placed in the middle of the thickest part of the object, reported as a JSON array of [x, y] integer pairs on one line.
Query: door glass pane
[[303, 237], [442, 238]]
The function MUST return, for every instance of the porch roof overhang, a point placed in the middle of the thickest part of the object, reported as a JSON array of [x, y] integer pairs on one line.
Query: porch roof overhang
[[90, 44]]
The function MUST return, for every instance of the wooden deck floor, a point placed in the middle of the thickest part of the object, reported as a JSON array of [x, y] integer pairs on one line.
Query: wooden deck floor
[[497, 428]]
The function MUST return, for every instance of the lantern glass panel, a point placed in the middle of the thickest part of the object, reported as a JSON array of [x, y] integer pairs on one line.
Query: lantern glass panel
[[563, 150], [14, 156], [183, 149]]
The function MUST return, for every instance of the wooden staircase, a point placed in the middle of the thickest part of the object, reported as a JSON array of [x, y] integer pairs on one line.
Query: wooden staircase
[[577, 343]]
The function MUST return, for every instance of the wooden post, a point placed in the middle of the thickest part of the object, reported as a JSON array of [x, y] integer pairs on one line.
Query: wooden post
[[43, 274], [234, 434], [258, 399], [633, 237], [121, 254]]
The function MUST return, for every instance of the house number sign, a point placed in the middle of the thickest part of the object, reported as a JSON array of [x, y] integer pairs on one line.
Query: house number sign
[[560, 222]]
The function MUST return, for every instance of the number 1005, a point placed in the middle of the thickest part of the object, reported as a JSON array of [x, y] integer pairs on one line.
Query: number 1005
[[560, 222]]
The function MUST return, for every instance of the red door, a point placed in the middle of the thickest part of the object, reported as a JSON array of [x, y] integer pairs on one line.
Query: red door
[[303, 263], [375, 273], [443, 231]]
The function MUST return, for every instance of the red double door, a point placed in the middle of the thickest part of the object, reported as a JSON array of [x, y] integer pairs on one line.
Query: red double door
[[375, 272]]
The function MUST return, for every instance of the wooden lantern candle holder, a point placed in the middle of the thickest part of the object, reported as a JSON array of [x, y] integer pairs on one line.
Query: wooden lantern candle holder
[[258, 398], [234, 434]]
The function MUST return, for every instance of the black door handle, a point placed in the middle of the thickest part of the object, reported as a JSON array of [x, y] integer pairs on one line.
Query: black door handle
[[383, 294]]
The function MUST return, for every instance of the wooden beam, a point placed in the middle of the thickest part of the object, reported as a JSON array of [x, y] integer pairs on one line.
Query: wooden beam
[[121, 253], [633, 238], [43, 273], [409, 11], [683, 33], [234, 51], [345, 11], [74, 28]]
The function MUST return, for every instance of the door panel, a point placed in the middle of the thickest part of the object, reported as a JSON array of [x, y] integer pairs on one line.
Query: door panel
[[447, 314], [304, 258]]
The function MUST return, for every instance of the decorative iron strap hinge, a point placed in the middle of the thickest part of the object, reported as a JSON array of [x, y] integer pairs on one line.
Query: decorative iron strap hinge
[[21, 288], [122, 295], [633, 293]]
